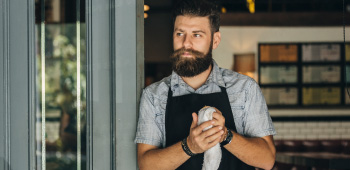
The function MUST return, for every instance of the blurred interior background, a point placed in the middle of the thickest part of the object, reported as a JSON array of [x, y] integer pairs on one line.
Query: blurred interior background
[[293, 48]]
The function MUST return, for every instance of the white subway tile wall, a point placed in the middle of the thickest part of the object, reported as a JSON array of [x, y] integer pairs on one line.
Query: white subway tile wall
[[312, 130]]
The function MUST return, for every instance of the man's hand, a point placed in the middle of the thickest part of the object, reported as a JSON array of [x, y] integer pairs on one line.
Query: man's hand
[[220, 122], [199, 141]]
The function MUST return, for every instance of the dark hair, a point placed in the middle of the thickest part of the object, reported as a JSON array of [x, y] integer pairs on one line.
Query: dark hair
[[199, 8]]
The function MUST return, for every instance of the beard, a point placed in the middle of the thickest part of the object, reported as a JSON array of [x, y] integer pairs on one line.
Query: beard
[[190, 67]]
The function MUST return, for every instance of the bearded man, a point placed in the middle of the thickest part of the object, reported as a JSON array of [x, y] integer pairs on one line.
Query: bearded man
[[168, 136]]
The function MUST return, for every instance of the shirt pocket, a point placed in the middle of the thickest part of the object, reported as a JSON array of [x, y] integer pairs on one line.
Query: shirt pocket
[[237, 102]]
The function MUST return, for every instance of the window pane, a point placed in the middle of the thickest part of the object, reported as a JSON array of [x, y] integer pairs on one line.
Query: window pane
[[61, 84], [279, 74], [280, 96], [321, 74], [321, 96]]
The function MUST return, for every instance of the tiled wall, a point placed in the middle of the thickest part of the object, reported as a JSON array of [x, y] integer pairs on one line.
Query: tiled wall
[[312, 130]]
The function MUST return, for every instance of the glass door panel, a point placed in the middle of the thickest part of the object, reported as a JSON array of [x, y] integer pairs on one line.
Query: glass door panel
[[61, 84]]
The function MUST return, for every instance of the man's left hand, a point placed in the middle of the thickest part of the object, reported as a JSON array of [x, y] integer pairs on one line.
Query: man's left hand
[[220, 121]]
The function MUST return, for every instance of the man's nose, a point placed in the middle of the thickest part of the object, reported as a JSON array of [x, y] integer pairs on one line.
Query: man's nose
[[187, 42]]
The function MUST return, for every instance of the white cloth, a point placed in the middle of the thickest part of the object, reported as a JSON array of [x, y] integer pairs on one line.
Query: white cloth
[[212, 157]]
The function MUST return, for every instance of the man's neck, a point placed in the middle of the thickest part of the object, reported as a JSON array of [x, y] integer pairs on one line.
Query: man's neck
[[197, 81]]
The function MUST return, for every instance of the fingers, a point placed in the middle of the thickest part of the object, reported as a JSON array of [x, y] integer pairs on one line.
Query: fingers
[[223, 136], [213, 143], [219, 118], [217, 111], [211, 131], [210, 135], [194, 120], [202, 126], [211, 140], [199, 140], [220, 121], [199, 144], [218, 115]]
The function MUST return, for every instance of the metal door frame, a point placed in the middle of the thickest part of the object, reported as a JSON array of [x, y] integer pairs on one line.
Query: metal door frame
[[115, 79]]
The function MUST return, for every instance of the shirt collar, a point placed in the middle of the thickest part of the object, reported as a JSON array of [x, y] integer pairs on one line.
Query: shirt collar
[[215, 76]]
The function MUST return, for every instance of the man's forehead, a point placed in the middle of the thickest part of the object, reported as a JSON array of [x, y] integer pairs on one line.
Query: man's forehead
[[183, 21]]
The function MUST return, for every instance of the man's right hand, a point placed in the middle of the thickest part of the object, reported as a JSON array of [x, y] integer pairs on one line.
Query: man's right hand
[[199, 141]]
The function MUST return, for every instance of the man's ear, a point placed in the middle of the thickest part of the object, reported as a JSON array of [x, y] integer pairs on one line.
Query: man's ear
[[216, 39]]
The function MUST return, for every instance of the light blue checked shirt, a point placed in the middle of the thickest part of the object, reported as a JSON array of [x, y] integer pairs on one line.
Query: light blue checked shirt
[[248, 105]]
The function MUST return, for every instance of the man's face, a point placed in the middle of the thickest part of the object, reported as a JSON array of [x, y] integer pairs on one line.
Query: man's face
[[193, 43]]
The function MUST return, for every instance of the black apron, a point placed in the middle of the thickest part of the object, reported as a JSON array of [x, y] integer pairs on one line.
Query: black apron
[[178, 119]]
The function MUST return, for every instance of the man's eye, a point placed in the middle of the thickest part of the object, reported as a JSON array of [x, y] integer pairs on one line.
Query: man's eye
[[179, 34], [197, 35]]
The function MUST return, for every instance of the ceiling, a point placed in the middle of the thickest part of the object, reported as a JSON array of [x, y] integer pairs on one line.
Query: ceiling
[[273, 12], [264, 5]]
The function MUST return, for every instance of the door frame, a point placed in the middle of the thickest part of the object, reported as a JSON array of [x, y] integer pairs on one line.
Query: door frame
[[114, 82]]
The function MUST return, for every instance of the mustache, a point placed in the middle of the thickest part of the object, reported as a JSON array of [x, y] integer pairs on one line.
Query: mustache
[[192, 66], [182, 50]]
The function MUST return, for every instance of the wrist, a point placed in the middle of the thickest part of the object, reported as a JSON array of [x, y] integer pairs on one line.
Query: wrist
[[186, 149], [228, 138]]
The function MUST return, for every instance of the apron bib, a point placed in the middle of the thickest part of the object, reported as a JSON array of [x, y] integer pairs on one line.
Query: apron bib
[[178, 119]]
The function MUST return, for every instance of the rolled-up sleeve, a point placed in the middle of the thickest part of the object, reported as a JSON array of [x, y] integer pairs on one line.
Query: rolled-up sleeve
[[147, 130], [257, 122]]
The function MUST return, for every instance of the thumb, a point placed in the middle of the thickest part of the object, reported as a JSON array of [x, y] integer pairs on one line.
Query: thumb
[[194, 120]]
